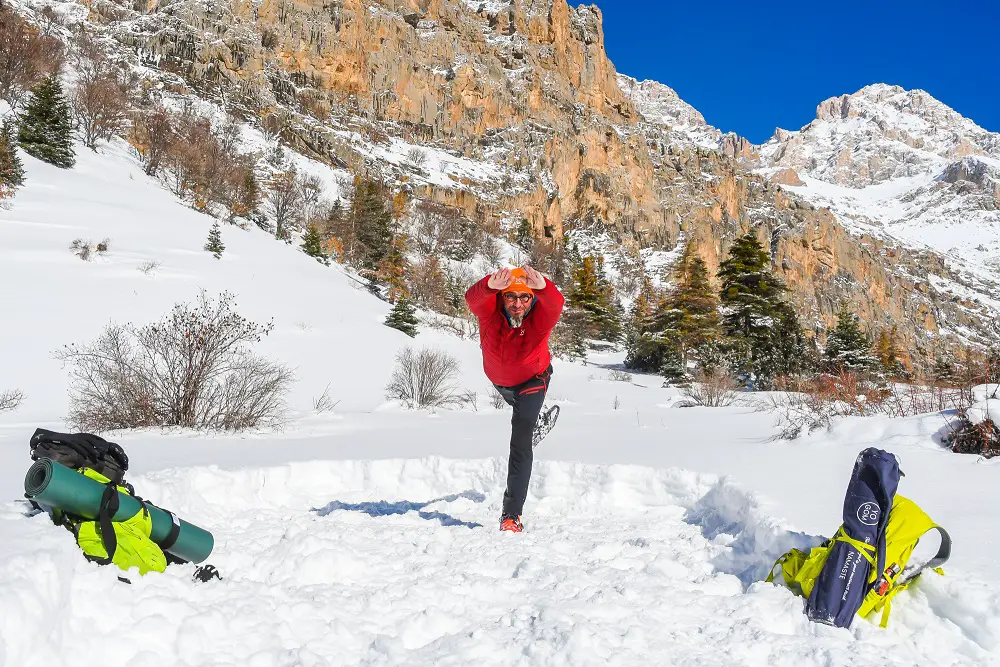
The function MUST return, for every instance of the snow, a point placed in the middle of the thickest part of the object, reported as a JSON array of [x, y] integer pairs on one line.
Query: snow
[[368, 535]]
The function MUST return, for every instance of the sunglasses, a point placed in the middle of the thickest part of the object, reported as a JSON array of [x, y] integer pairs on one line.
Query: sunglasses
[[523, 298]]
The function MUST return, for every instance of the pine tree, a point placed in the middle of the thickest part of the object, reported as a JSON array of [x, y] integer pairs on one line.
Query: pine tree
[[886, 349], [764, 338], [698, 304], [312, 245], [848, 348], [569, 338], [393, 269], [214, 244], [45, 129], [525, 235], [403, 316], [371, 224], [11, 169], [592, 293]]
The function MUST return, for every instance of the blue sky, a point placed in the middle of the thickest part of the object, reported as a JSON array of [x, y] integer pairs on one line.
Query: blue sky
[[755, 65]]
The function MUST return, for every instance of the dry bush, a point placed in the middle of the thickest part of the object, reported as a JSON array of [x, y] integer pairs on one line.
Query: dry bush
[[82, 249], [437, 229], [709, 390], [324, 402], [428, 287], [463, 327], [424, 379], [103, 246], [619, 376], [10, 399], [151, 135], [101, 98], [492, 252], [283, 197], [26, 57], [201, 164], [193, 368], [416, 158], [496, 399], [148, 268], [966, 437]]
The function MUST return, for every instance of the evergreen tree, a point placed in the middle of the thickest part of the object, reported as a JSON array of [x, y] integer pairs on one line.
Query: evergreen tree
[[403, 316], [765, 339], [371, 224], [525, 235], [214, 244], [393, 268], [657, 347], [886, 350], [11, 169], [312, 245], [848, 348], [698, 305], [592, 293], [569, 338], [45, 129]]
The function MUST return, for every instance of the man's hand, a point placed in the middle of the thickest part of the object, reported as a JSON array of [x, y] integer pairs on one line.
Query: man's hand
[[535, 280], [500, 280]]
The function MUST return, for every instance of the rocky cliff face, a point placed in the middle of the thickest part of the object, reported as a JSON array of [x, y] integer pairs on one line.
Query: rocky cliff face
[[520, 99]]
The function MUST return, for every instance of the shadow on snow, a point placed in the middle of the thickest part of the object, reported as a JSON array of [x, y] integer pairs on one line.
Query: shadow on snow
[[386, 508]]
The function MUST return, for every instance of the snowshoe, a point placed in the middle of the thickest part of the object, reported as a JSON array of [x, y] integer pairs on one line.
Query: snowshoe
[[546, 420]]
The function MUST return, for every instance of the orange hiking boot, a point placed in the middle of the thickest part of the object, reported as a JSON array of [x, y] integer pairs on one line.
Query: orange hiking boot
[[511, 523]]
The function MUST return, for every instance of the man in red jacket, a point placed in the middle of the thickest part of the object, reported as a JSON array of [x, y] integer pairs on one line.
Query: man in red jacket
[[517, 310]]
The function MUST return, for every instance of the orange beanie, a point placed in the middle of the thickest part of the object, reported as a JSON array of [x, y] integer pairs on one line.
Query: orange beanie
[[520, 283]]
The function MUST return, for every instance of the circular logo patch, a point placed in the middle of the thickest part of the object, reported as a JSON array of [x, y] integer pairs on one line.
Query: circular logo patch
[[868, 514]]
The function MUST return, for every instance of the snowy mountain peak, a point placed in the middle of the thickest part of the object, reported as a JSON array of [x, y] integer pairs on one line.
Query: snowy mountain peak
[[661, 105], [879, 133]]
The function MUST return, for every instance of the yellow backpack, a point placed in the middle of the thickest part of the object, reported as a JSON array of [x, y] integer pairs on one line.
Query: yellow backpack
[[907, 525]]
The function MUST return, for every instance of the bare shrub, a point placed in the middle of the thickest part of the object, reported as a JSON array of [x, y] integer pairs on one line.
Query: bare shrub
[[103, 246], [428, 287], [10, 399], [496, 399], [26, 57], [424, 379], [492, 252], [82, 249], [283, 196], [416, 157], [967, 437], [616, 375], [151, 135], [324, 402], [193, 368], [148, 268], [463, 327], [709, 390], [617, 404], [101, 97], [470, 398]]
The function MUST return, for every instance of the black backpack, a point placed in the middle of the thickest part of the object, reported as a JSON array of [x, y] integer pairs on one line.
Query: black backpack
[[81, 450]]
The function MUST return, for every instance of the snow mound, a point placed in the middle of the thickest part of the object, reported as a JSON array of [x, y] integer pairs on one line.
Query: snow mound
[[400, 562]]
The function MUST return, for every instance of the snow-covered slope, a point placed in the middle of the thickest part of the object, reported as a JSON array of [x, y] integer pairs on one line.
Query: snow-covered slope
[[368, 535], [901, 165]]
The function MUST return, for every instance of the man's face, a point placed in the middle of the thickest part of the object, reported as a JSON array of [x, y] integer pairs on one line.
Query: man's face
[[516, 304]]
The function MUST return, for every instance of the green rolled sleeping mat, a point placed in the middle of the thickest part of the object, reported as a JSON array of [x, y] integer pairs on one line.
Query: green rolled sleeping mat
[[57, 486]]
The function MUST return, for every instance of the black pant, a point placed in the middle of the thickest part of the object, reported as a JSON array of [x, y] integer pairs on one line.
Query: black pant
[[526, 399]]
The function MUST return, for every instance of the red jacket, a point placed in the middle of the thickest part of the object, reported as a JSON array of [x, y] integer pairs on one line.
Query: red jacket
[[514, 355]]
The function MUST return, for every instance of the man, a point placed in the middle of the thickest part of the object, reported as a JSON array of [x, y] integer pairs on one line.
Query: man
[[517, 310]]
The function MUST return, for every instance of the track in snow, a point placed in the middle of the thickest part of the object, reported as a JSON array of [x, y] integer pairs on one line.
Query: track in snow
[[400, 562]]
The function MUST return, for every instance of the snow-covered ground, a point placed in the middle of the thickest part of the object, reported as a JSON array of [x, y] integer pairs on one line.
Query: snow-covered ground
[[368, 535]]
